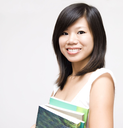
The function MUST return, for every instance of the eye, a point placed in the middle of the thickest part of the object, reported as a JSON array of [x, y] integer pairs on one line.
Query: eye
[[64, 33], [81, 32]]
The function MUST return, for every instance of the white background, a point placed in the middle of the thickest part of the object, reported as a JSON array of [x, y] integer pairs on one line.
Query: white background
[[28, 67]]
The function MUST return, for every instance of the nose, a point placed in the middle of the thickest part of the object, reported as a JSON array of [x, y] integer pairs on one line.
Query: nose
[[72, 39]]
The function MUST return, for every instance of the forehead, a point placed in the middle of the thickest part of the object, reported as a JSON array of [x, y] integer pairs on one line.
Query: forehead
[[80, 23]]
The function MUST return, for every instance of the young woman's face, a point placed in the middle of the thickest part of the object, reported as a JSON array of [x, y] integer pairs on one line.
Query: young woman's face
[[76, 42]]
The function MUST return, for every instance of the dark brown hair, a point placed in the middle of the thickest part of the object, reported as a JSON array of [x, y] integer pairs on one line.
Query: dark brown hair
[[67, 17]]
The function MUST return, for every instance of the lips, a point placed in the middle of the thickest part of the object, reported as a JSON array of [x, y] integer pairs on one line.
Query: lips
[[73, 51]]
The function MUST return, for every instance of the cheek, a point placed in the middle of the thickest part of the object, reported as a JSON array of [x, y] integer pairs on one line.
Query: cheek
[[88, 45], [91, 44], [61, 43], [88, 41]]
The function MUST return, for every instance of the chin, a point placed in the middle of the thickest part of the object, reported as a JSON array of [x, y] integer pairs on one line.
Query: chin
[[74, 60]]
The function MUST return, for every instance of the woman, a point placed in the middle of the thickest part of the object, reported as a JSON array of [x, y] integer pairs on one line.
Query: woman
[[79, 42]]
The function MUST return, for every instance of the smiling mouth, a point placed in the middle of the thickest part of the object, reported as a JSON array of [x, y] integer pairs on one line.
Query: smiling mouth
[[73, 51]]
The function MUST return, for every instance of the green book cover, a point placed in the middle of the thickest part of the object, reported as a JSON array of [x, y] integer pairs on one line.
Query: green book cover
[[49, 118], [66, 105]]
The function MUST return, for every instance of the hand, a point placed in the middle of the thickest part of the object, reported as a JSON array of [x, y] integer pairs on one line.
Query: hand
[[34, 126]]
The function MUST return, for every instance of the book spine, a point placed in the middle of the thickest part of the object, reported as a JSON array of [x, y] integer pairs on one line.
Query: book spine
[[80, 125]]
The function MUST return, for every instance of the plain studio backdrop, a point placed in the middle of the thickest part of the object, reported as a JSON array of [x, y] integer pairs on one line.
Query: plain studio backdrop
[[28, 67]]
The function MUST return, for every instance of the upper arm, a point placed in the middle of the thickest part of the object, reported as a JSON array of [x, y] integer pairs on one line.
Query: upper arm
[[101, 102]]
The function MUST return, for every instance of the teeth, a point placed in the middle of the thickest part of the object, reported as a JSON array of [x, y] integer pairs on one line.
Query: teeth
[[73, 50]]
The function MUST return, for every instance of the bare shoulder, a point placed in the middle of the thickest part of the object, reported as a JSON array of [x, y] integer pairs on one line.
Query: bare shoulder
[[103, 88], [103, 82]]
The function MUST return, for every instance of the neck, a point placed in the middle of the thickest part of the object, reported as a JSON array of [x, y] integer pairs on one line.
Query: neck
[[78, 66]]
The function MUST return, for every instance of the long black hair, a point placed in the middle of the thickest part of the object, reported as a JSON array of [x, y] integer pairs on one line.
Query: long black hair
[[67, 17]]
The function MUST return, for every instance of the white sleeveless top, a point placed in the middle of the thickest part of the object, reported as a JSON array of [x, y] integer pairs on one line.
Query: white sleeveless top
[[82, 99]]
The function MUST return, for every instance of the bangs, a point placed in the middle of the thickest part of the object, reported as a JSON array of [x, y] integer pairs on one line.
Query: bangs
[[68, 16]]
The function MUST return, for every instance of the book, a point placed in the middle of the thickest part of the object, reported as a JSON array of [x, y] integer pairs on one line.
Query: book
[[67, 105], [50, 116]]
